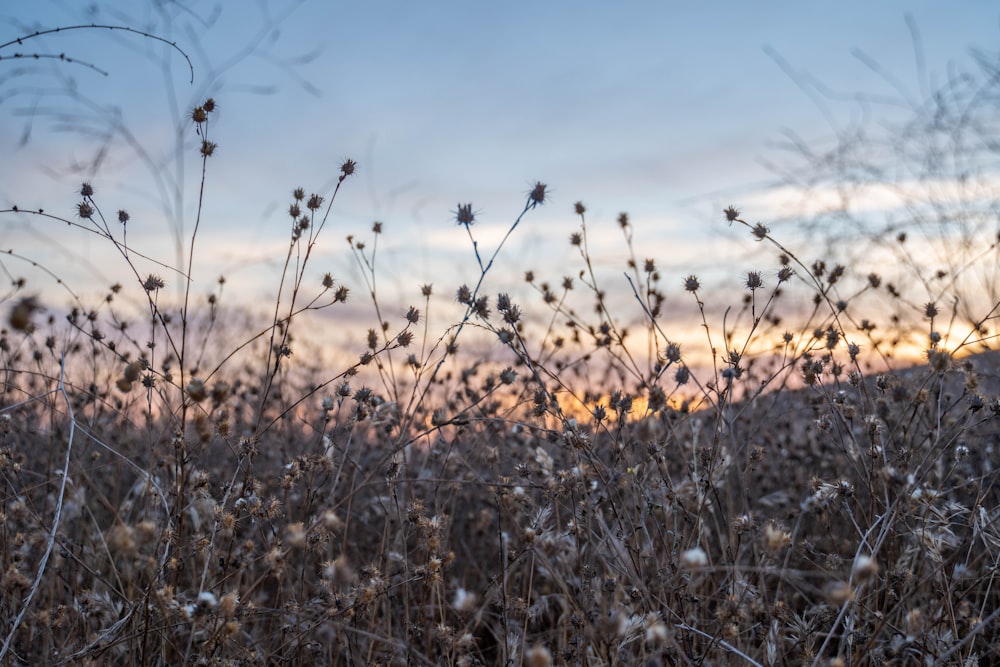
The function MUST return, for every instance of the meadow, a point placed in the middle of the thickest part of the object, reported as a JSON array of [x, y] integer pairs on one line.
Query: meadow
[[559, 482]]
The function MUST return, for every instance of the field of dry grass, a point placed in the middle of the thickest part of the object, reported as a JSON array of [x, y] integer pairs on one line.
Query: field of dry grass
[[175, 490]]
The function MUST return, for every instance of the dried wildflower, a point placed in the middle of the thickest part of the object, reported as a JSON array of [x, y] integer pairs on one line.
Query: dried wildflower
[[84, 210], [575, 239], [529, 276], [512, 315], [426, 290], [405, 338], [691, 283], [315, 201], [87, 190], [930, 310], [347, 168], [199, 115], [22, 312], [759, 231], [464, 295], [327, 281], [341, 295], [682, 375], [503, 302], [579, 208], [196, 390], [776, 538], [208, 148], [412, 315], [785, 273], [538, 656], [508, 375], [865, 567], [754, 280], [939, 360], [731, 214], [464, 215], [152, 283], [649, 266], [482, 308], [694, 558], [672, 353], [537, 195]]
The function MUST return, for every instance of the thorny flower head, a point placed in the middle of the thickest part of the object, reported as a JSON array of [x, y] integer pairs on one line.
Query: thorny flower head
[[731, 214], [152, 283], [86, 190], [537, 195], [85, 210], [754, 281], [691, 283], [347, 168], [464, 215]]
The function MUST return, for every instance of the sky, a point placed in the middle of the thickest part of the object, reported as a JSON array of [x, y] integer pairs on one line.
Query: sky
[[667, 110]]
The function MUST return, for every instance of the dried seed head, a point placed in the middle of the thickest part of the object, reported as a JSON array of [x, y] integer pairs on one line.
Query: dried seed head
[[87, 190], [930, 310], [84, 210], [412, 315], [152, 283], [865, 567], [691, 283], [22, 312], [347, 168], [759, 231], [537, 195], [579, 208], [503, 302], [199, 115], [315, 201], [731, 214], [464, 295], [694, 558], [464, 215], [754, 281], [208, 148], [426, 290], [196, 390]]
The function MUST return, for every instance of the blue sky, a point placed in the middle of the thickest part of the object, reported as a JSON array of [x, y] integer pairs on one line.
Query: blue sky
[[661, 109]]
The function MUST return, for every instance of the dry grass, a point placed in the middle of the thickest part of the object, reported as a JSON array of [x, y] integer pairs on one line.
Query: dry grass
[[580, 496]]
